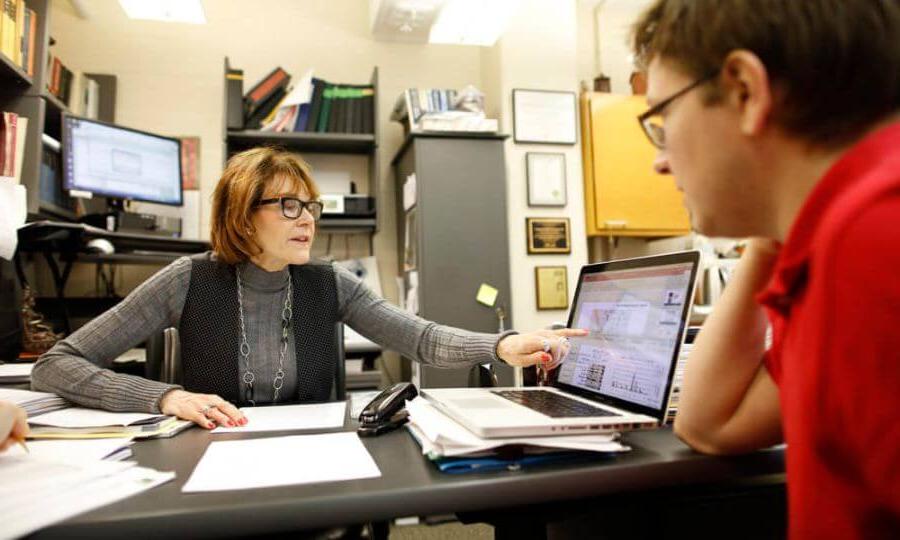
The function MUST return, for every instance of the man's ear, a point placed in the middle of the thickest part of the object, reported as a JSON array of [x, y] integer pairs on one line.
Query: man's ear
[[745, 86]]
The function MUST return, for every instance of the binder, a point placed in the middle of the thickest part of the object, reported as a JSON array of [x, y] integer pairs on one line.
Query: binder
[[325, 112], [234, 97], [315, 105]]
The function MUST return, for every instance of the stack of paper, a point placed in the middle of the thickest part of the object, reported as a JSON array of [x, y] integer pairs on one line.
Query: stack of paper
[[76, 451], [34, 403], [78, 422], [441, 437], [15, 373], [37, 492]]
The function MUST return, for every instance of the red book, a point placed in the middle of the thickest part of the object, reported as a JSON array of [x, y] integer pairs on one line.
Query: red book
[[267, 86], [8, 144]]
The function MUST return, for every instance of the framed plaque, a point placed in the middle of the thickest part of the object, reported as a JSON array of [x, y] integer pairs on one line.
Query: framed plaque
[[551, 287], [546, 175], [548, 235], [544, 117]]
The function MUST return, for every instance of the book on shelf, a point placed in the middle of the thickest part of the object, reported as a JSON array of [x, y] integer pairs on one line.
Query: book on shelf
[[8, 125], [8, 29], [234, 97], [28, 41], [437, 110], [265, 96]]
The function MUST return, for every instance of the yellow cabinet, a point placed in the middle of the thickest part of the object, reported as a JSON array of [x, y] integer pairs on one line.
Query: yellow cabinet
[[623, 195]]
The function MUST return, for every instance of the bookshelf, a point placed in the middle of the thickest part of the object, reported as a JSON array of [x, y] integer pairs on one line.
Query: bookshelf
[[364, 144], [28, 97]]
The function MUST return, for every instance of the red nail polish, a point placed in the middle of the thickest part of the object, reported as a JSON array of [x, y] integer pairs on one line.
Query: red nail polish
[[546, 357]]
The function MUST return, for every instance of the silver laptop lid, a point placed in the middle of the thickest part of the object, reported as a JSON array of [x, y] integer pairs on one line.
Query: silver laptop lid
[[636, 311]]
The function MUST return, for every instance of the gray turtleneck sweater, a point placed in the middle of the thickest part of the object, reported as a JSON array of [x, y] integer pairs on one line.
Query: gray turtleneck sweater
[[76, 368]]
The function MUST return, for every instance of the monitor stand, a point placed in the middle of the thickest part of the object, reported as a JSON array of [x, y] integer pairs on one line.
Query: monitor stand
[[117, 219]]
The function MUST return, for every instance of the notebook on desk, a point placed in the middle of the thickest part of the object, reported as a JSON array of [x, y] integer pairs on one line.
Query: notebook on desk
[[617, 378]]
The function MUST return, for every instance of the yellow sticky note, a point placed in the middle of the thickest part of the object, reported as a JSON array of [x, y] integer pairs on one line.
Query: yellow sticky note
[[487, 295]]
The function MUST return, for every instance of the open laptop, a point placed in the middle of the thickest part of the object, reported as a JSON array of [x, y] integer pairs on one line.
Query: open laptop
[[617, 378]]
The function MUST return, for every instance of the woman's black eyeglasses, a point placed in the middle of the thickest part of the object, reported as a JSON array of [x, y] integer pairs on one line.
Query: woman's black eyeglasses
[[292, 207], [651, 122]]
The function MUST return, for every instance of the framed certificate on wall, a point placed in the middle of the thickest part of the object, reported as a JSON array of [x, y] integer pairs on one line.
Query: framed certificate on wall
[[548, 235], [544, 117], [551, 287], [546, 178]]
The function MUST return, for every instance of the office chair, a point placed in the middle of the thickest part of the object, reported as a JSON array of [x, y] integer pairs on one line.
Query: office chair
[[164, 360]]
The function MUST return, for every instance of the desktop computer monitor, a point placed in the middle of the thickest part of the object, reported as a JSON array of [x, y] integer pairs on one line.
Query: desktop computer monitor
[[120, 163]]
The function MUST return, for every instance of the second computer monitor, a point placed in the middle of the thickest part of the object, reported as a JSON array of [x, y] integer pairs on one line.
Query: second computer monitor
[[122, 163]]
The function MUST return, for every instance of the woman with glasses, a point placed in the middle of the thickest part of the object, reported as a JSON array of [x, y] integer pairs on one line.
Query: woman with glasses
[[255, 315]]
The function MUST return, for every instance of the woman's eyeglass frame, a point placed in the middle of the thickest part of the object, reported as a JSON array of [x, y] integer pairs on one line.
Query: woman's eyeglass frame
[[313, 207]]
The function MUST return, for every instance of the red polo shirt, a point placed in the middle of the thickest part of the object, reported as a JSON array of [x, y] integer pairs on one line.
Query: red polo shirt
[[834, 305]]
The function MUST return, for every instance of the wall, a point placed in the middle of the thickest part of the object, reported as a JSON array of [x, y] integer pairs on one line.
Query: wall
[[170, 81], [537, 51], [170, 77]]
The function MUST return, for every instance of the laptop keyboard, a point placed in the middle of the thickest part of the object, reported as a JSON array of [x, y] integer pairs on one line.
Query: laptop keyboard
[[553, 404]]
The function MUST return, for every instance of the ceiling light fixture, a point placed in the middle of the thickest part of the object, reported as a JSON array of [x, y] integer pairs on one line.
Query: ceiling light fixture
[[472, 22], [184, 11]]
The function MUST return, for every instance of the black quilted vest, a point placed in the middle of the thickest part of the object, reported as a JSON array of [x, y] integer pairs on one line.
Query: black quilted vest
[[209, 331]]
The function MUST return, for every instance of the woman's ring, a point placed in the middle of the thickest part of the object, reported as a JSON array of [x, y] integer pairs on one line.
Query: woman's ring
[[206, 409], [546, 344]]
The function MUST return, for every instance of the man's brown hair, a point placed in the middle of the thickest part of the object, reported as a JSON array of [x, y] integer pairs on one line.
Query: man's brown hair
[[834, 65], [242, 186]]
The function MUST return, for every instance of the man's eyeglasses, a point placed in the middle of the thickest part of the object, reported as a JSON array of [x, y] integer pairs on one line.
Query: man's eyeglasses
[[292, 207], [651, 121]]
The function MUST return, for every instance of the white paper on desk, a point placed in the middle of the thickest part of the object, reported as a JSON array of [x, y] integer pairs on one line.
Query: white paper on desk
[[291, 417], [37, 493], [281, 461], [15, 371], [68, 451], [78, 417], [13, 211]]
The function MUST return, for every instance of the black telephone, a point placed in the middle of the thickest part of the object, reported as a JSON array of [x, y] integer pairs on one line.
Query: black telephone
[[386, 411]]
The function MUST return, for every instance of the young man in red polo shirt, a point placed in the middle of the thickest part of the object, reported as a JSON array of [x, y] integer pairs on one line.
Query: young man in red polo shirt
[[779, 121]]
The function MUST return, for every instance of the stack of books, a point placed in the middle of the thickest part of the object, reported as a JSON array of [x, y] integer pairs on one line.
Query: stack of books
[[18, 29], [435, 110], [455, 449], [12, 144], [311, 105]]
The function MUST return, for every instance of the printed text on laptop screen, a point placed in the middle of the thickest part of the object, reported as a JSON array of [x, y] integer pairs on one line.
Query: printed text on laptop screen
[[634, 319]]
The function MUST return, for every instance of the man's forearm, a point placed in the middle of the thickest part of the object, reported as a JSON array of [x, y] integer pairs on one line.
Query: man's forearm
[[728, 351]]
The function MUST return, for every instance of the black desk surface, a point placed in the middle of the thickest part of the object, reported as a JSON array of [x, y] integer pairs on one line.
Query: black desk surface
[[409, 486]]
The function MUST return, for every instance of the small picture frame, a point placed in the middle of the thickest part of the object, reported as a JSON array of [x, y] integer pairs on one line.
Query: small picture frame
[[545, 117], [551, 287], [546, 178], [548, 235]]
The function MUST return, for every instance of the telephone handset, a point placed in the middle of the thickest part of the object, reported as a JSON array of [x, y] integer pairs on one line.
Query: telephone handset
[[386, 411]]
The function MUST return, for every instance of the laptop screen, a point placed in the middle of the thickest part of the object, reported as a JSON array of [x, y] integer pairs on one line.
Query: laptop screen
[[636, 312]]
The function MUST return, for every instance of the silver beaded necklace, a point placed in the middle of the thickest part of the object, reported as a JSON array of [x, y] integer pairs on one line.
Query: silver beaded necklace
[[286, 313]]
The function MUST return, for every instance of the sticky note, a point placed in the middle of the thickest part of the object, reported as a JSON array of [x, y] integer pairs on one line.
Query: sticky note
[[487, 295]]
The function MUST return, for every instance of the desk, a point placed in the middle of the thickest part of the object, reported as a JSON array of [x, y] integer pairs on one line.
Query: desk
[[409, 485]]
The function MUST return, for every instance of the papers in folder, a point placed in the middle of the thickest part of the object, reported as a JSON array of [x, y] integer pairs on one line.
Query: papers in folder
[[34, 403], [15, 373], [291, 417], [441, 436], [78, 422], [281, 461], [37, 492]]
